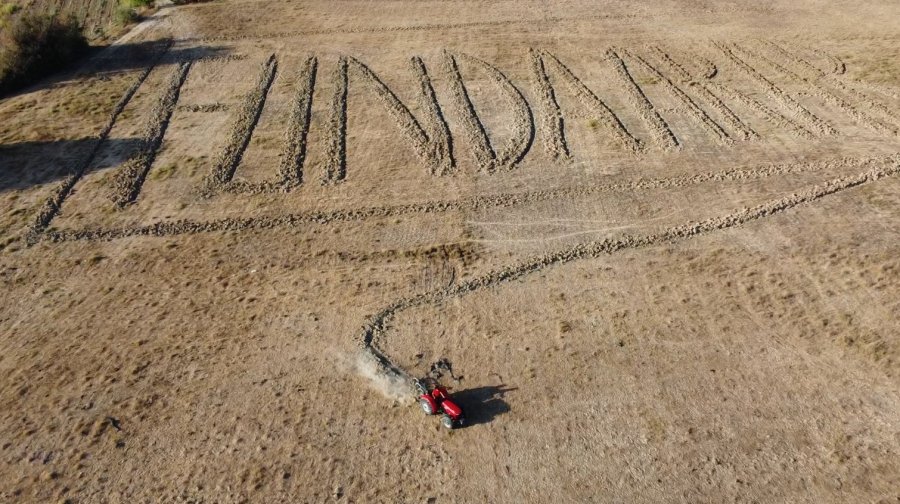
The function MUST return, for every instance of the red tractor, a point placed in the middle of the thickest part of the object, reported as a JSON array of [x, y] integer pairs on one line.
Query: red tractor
[[434, 399]]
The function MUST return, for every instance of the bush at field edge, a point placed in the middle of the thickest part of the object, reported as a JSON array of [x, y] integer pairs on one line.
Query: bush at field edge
[[35, 45]]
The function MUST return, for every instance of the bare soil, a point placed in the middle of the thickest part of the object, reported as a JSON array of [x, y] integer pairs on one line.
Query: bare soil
[[659, 243]]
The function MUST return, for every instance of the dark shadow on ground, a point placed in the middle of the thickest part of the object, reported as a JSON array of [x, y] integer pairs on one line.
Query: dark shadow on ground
[[482, 404], [125, 57], [105, 61], [28, 164]]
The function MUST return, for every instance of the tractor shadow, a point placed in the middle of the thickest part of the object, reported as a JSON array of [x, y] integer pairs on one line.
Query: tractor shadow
[[483, 404]]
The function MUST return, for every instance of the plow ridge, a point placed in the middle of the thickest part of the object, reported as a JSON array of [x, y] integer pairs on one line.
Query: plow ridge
[[776, 119], [53, 204], [552, 125], [826, 95], [793, 58], [336, 160], [838, 67], [863, 98], [290, 171], [738, 126], [423, 144], [476, 203], [833, 79], [777, 94], [663, 135], [698, 114], [523, 119], [242, 129], [377, 325], [130, 177], [591, 101], [482, 151], [438, 130]]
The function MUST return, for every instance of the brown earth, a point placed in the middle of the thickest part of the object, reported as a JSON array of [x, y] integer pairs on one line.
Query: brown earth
[[659, 243]]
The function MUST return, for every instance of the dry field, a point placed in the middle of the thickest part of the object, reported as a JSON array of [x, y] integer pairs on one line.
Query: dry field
[[658, 241]]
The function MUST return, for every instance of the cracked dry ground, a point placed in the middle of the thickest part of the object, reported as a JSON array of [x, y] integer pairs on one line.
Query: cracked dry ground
[[660, 243]]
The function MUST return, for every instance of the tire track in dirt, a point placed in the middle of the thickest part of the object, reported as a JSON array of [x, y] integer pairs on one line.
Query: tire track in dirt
[[663, 135], [738, 126], [826, 95], [378, 324], [54, 202], [130, 177], [336, 151], [552, 123], [698, 114], [592, 102], [290, 170], [242, 130], [472, 204], [777, 94]]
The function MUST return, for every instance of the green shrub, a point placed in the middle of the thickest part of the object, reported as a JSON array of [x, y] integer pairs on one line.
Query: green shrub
[[35, 45], [137, 4], [126, 15], [8, 9]]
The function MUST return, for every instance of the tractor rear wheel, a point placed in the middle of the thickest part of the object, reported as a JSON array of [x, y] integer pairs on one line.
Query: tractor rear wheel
[[446, 421], [426, 406]]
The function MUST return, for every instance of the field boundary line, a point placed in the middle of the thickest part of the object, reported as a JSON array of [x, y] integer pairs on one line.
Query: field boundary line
[[475, 203], [409, 28]]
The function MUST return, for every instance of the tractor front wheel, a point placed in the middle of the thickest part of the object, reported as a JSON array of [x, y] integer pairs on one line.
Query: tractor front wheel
[[426, 406], [446, 421]]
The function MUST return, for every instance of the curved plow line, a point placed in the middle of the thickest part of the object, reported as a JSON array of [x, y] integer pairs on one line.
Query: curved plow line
[[377, 325]]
